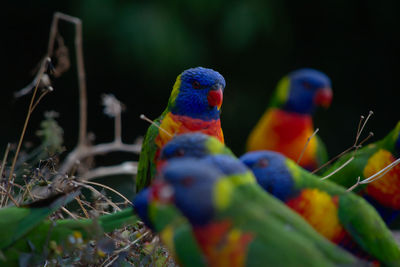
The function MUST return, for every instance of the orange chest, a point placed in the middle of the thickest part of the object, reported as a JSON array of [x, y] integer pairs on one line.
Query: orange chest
[[286, 133], [222, 244], [176, 124]]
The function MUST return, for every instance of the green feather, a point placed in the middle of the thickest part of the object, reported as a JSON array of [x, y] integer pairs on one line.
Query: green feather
[[15, 222], [146, 166], [278, 241], [273, 208], [59, 231], [357, 216]]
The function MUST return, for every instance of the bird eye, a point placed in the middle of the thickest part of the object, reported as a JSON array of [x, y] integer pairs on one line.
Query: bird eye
[[180, 153], [196, 85], [307, 85], [262, 163], [187, 181]]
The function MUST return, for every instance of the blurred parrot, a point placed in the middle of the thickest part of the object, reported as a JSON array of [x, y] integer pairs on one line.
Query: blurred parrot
[[166, 219], [384, 193], [173, 228], [194, 106], [287, 123], [343, 217], [233, 230], [196, 145], [26, 229]]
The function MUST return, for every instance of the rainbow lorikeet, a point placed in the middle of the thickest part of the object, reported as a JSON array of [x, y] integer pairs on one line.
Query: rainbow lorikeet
[[384, 193], [26, 229], [173, 228], [343, 217], [287, 123], [166, 219], [196, 145], [194, 106], [233, 230]]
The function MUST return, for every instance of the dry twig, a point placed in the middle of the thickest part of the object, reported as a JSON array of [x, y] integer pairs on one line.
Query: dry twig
[[376, 176]]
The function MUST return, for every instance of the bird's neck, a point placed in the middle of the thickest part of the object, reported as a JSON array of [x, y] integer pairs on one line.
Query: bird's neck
[[287, 133]]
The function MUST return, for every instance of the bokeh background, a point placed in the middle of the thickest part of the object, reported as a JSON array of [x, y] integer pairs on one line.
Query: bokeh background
[[135, 50]]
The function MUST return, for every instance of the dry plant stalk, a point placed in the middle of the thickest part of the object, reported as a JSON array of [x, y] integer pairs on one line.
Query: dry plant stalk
[[83, 149], [375, 176], [306, 144], [354, 147]]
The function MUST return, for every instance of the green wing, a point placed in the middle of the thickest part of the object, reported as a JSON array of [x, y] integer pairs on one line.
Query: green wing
[[182, 241], [40, 236], [15, 222], [277, 242], [272, 207], [368, 229], [146, 166]]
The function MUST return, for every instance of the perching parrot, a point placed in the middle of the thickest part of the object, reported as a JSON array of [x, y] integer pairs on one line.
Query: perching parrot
[[166, 219], [384, 193], [194, 106], [26, 228], [287, 123], [233, 230], [341, 216]]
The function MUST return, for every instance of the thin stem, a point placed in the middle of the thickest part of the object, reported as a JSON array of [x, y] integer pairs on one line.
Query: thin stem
[[381, 173], [43, 68], [355, 185], [98, 193], [80, 68], [338, 169], [3, 164], [376, 176], [306, 144], [143, 117], [82, 207], [109, 188]]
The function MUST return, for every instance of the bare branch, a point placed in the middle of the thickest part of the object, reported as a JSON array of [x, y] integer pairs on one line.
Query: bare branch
[[128, 167], [80, 153]]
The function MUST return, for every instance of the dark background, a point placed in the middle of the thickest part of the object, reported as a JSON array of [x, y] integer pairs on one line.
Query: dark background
[[135, 50]]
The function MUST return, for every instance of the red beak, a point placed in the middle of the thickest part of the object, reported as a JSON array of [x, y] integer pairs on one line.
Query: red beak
[[215, 97], [323, 97]]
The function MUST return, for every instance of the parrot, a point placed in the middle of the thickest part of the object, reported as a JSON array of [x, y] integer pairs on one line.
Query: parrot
[[341, 216], [287, 122], [27, 228], [166, 219], [193, 106], [231, 229], [196, 145], [384, 193], [173, 228]]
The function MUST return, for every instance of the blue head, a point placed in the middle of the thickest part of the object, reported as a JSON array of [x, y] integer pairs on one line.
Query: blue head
[[198, 93], [192, 183], [141, 205], [228, 165], [271, 172], [303, 90], [188, 145]]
